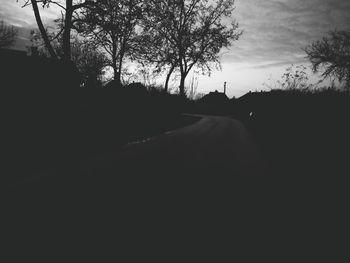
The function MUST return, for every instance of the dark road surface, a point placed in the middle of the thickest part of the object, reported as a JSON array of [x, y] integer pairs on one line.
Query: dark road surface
[[212, 148], [209, 154], [213, 145]]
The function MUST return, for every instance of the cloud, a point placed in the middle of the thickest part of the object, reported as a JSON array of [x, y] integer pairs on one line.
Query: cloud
[[273, 64], [22, 18], [14, 13], [274, 30], [277, 30]]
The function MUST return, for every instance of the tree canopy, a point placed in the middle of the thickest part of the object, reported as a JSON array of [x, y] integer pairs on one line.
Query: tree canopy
[[111, 25], [90, 61], [70, 9], [188, 33], [332, 53], [172, 35]]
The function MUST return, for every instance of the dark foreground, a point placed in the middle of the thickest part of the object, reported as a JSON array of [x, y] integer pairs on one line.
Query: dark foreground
[[170, 192], [175, 196]]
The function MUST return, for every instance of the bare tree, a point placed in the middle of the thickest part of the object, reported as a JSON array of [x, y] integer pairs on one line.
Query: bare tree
[[89, 60], [193, 31], [70, 8], [332, 53], [154, 50], [111, 24], [7, 35]]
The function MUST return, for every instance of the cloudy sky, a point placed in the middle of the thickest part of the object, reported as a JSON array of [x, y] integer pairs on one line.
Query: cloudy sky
[[275, 31]]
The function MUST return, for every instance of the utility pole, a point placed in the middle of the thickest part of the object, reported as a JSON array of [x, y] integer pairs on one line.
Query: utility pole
[[225, 87]]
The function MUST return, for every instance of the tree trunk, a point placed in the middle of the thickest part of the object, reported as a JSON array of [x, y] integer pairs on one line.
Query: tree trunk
[[67, 30], [117, 76], [182, 85], [166, 87], [115, 70], [115, 60], [120, 67], [42, 30]]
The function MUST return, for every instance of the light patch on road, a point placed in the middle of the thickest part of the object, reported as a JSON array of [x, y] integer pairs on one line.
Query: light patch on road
[[139, 142], [147, 139]]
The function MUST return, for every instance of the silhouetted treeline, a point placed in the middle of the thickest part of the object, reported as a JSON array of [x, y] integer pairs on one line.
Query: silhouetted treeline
[[39, 109], [299, 133], [147, 32], [48, 120]]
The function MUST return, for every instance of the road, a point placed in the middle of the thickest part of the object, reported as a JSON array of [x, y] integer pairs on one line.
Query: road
[[211, 146], [213, 149]]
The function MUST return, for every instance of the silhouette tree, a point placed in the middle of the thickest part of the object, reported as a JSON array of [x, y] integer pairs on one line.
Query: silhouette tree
[[153, 49], [89, 60], [111, 24], [295, 78], [189, 33], [7, 35], [332, 52], [70, 9]]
